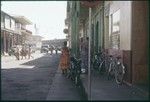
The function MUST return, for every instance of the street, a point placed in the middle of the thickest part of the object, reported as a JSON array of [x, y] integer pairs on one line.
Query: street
[[28, 79], [74, 50]]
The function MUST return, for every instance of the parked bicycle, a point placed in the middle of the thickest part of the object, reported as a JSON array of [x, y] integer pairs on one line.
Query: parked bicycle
[[75, 70], [99, 62], [116, 69]]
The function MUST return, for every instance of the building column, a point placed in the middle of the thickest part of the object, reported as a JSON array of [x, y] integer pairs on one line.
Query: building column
[[4, 41]]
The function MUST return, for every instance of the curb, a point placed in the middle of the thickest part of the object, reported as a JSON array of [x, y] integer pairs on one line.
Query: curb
[[83, 92]]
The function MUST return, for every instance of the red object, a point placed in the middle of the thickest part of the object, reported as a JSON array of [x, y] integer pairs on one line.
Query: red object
[[90, 3]]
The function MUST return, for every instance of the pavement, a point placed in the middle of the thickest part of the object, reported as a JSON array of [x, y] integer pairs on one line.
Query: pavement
[[28, 79], [41, 79], [104, 89], [63, 89]]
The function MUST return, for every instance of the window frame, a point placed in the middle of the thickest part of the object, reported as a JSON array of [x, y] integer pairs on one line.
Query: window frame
[[114, 35]]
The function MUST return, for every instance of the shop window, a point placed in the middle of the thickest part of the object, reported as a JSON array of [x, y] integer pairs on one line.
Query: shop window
[[115, 30]]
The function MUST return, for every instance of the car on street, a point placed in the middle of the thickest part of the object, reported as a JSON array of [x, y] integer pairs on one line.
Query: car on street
[[44, 48]]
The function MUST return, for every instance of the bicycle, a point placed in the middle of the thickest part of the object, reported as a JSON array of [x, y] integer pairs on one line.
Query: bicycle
[[75, 70], [99, 62], [116, 69]]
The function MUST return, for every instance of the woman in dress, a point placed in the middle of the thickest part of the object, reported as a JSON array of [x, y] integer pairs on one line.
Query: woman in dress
[[64, 59]]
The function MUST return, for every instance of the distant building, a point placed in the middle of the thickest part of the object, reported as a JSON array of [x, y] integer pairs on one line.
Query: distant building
[[37, 41], [13, 31], [26, 34], [55, 42]]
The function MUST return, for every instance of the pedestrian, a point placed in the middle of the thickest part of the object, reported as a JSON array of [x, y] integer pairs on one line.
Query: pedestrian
[[82, 55], [51, 49], [56, 49], [16, 53], [64, 58], [23, 52], [85, 55], [29, 52]]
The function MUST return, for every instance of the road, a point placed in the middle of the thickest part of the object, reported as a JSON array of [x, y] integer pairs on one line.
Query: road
[[28, 79]]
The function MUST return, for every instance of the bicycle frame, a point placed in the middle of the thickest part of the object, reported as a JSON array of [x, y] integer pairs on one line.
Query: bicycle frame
[[116, 68], [75, 70]]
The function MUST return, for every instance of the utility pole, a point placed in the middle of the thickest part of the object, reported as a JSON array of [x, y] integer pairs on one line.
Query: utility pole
[[89, 57]]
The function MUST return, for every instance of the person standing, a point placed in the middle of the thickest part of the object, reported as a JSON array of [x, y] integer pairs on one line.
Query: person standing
[[29, 52], [64, 59], [84, 55], [56, 49], [16, 53]]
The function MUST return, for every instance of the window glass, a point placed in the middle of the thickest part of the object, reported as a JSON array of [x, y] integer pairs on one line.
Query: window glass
[[115, 30], [116, 21]]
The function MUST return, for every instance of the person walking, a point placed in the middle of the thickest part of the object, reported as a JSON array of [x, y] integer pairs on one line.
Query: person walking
[[29, 52], [64, 59]]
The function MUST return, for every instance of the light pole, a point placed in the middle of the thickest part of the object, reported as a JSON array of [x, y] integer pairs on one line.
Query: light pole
[[89, 57], [89, 4]]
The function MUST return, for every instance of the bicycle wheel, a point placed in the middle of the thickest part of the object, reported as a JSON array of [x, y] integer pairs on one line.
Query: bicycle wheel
[[95, 65], [77, 80], [119, 73], [110, 70]]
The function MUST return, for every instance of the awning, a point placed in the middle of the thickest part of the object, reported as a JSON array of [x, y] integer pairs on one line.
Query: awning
[[23, 20]]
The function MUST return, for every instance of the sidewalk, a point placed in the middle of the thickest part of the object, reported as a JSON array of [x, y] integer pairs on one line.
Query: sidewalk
[[7, 58], [63, 88], [104, 89]]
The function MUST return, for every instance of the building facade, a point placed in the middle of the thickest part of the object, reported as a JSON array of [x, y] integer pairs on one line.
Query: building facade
[[13, 31], [115, 29]]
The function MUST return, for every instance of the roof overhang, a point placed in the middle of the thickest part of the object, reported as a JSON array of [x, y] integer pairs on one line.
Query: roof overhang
[[23, 20]]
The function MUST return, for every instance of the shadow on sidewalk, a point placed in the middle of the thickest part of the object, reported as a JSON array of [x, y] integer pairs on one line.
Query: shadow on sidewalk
[[45, 61], [104, 89], [23, 83]]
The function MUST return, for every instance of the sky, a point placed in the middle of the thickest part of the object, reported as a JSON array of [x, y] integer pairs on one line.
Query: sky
[[48, 16]]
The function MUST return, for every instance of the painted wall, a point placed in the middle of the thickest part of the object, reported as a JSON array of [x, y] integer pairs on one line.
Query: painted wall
[[125, 33], [140, 40], [125, 22]]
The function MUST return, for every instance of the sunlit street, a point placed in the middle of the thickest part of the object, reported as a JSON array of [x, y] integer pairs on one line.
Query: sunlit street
[[74, 51]]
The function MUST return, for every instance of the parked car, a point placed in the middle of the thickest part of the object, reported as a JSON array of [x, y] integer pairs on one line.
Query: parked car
[[44, 48]]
